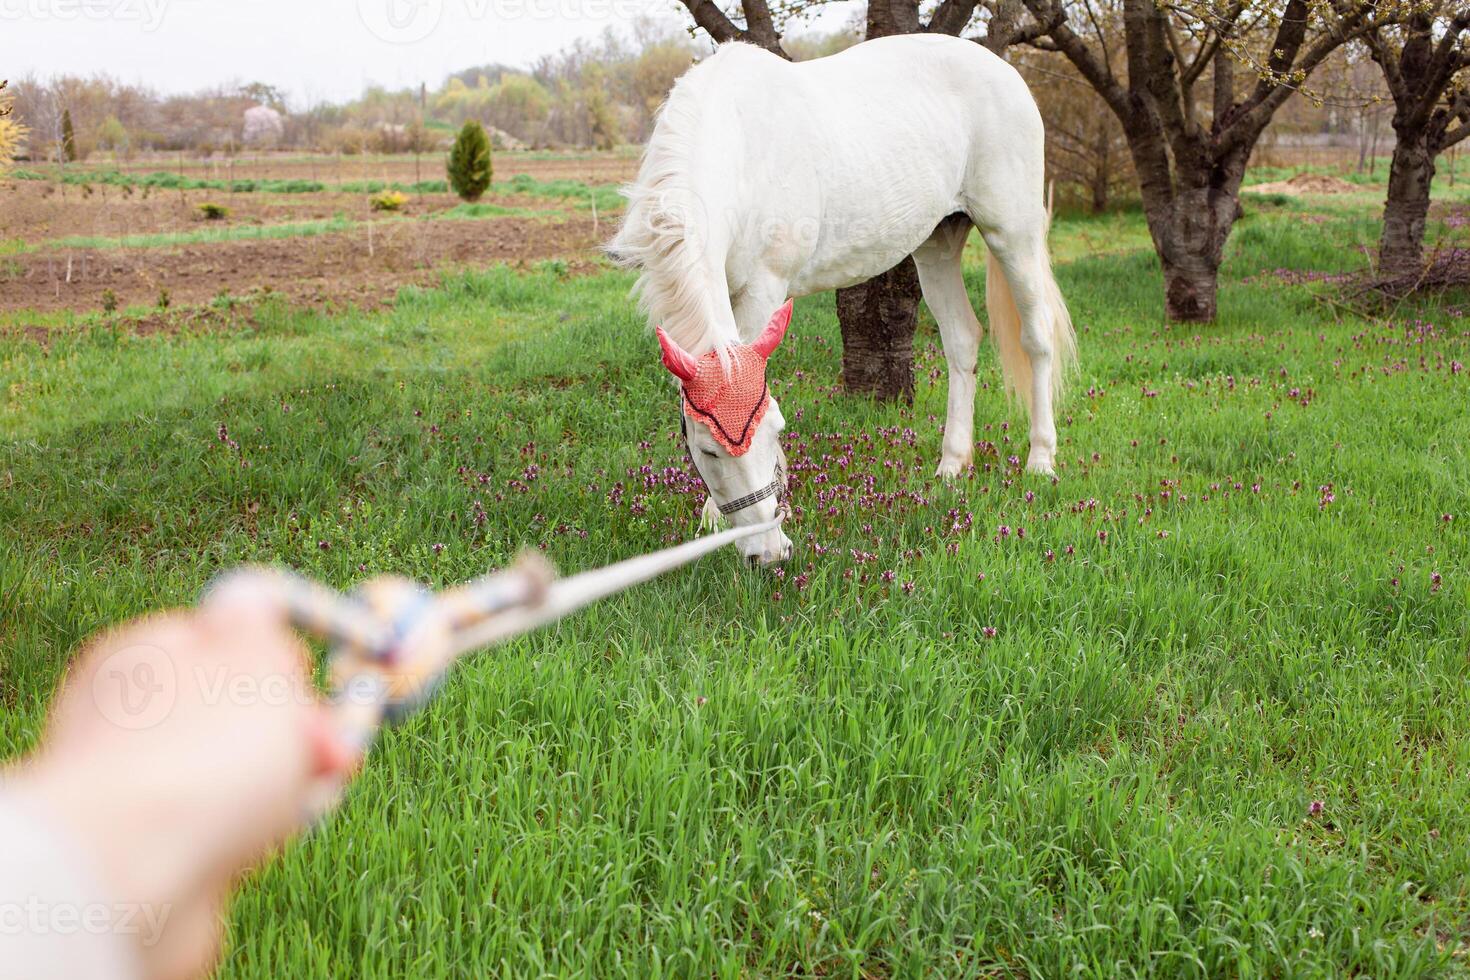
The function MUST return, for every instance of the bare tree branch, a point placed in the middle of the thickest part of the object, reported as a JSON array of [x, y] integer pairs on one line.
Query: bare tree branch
[[951, 17], [1207, 52], [760, 29], [1102, 37], [1380, 51], [1224, 87], [1031, 32], [1151, 61], [1081, 55], [708, 15]]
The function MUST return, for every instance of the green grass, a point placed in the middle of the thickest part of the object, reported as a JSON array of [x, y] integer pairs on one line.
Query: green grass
[[286, 229], [724, 774], [606, 195], [211, 233], [377, 186], [165, 180], [484, 209]]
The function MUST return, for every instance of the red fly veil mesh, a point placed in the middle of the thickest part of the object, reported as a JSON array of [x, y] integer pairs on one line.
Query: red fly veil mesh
[[729, 402]]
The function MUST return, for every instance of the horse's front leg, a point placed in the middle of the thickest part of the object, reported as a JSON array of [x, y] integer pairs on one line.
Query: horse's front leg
[[753, 305]]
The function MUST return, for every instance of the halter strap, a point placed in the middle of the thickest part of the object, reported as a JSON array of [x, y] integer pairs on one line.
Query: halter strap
[[769, 490], [776, 488]]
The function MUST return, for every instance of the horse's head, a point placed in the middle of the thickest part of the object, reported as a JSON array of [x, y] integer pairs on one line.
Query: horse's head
[[733, 427]]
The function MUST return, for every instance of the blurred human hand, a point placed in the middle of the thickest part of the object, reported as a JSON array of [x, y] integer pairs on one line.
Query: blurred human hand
[[181, 750]]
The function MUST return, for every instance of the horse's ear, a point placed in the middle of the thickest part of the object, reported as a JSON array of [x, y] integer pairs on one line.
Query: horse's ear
[[679, 361], [775, 331]]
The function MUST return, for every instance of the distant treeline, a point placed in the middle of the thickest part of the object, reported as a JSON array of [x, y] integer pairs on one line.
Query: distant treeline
[[593, 95], [590, 95]]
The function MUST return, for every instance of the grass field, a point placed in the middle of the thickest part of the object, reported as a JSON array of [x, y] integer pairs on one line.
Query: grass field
[[288, 229], [89, 238], [605, 195], [1001, 727]]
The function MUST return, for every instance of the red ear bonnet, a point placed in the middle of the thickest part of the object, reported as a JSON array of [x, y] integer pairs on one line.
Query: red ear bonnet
[[730, 403], [679, 361], [774, 332]]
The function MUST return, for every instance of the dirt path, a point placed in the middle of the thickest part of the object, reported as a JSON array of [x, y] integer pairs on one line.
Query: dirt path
[[36, 212], [346, 267]]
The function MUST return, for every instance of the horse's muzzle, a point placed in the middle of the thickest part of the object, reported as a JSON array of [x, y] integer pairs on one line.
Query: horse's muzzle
[[769, 557]]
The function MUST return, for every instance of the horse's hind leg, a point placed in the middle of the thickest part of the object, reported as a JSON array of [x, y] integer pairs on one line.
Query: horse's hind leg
[[943, 283], [1024, 326]]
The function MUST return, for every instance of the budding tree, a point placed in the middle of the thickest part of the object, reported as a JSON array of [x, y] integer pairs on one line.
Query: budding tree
[[262, 126], [1426, 64], [1197, 84]]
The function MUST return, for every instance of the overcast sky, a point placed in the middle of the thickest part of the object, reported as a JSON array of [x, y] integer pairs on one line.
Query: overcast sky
[[314, 49]]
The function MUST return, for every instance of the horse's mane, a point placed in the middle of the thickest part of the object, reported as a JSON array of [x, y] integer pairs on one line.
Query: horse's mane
[[663, 229]]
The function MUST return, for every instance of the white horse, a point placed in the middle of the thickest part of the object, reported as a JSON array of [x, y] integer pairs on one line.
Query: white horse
[[766, 179]]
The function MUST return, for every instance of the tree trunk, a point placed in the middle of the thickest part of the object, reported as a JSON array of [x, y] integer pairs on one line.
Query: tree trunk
[[1190, 285], [1401, 249], [1189, 230], [877, 319]]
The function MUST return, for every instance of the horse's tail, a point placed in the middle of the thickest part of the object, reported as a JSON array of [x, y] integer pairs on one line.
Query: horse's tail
[[1005, 326]]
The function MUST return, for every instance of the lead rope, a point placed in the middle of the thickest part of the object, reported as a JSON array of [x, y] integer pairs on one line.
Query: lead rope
[[392, 641]]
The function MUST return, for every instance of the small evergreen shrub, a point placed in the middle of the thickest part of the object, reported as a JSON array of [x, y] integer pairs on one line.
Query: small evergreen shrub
[[213, 212], [469, 162], [68, 137]]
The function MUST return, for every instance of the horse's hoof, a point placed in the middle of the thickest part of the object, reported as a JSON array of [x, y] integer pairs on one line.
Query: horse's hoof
[[1040, 465]]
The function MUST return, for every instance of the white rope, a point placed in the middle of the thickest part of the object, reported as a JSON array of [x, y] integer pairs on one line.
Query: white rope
[[393, 642], [566, 596]]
